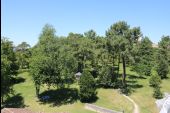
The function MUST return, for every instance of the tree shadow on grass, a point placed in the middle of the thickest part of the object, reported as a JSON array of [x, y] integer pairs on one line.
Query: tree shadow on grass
[[59, 97], [131, 84], [136, 77], [17, 80], [16, 101]]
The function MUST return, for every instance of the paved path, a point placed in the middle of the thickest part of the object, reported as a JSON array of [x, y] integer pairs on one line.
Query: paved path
[[136, 107], [99, 109]]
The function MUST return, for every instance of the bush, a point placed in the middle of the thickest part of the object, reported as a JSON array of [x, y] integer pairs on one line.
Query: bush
[[105, 77], [155, 80], [87, 87], [162, 68], [157, 92]]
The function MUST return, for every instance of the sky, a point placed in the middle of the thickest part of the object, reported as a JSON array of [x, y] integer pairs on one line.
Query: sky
[[23, 20]]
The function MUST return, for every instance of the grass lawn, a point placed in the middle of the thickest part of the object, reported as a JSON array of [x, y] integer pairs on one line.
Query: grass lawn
[[142, 93], [109, 98], [25, 95]]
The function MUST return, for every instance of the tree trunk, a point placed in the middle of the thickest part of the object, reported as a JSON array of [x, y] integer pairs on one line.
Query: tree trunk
[[124, 71], [37, 86], [118, 65]]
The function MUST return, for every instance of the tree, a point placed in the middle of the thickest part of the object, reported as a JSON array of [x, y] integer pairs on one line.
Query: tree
[[45, 64], [157, 92], [8, 66], [23, 55], [123, 40], [87, 87], [164, 50], [90, 34], [161, 65], [155, 82], [144, 57], [7, 49], [105, 78], [52, 61]]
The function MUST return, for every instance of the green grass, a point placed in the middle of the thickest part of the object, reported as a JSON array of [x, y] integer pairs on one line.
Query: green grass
[[27, 91], [109, 98], [143, 95]]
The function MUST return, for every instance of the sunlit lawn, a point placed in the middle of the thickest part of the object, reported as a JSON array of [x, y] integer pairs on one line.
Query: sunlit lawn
[[109, 98]]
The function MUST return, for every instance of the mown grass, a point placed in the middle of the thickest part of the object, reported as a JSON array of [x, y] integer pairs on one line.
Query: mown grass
[[27, 91], [106, 98], [111, 99], [141, 93]]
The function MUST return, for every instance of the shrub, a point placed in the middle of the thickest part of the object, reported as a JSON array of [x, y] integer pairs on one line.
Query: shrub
[[157, 92], [155, 80], [162, 68], [87, 87]]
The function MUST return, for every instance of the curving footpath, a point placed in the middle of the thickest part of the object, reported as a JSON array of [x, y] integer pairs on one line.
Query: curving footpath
[[136, 107]]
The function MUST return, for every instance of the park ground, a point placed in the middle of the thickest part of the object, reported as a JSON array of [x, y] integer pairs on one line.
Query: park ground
[[141, 93]]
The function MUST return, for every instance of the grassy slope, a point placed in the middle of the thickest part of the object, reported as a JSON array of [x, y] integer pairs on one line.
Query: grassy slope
[[143, 96], [27, 91], [108, 98], [111, 99]]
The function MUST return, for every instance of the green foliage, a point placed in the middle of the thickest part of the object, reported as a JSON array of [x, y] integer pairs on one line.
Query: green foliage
[[90, 34], [144, 57], [105, 78], [7, 50], [120, 41], [157, 92], [23, 55], [163, 57], [8, 66], [87, 87], [162, 66], [52, 61], [44, 66], [155, 80]]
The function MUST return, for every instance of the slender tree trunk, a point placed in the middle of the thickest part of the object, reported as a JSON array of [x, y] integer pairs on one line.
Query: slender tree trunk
[[118, 65], [114, 76], [37, 87], [124, 71]]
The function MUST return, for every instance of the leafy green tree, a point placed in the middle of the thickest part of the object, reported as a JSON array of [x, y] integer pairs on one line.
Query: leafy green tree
[[161, 65], [105, 77], [68, 61], [155, 80], [144, 57], [87, 87], [23, 54], [164, 49], [5, 77], [90, 34], [8, 66], [45, 64], [157, 92], [7, 49], [122, 39]]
